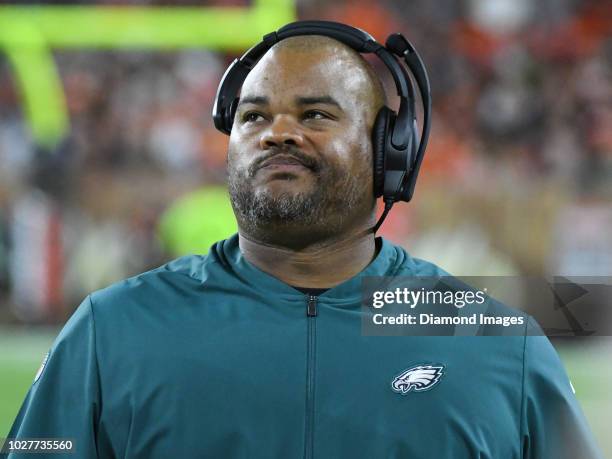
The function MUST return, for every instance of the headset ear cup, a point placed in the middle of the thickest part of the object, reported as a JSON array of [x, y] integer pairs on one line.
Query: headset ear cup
[[414, 143], [379, 139], [231, 112]]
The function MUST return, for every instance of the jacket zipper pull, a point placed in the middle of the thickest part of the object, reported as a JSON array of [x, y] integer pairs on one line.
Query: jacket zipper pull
[[311, 309]]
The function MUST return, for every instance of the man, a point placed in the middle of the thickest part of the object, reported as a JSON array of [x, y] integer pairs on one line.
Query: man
[[256, 349]]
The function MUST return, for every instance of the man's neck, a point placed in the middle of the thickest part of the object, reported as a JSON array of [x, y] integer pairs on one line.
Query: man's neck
[[321, 265]]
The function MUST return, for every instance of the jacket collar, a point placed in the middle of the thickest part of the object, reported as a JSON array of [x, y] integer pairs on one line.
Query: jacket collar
[[389, 260]]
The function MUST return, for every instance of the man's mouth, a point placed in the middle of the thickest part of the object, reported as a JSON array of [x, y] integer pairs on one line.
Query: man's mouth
[[283, 163]]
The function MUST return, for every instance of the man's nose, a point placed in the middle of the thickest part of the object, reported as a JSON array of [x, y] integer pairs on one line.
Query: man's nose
[[282, 132]]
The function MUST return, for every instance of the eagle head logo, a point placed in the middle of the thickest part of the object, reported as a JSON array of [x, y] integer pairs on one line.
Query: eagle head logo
[[419, 378]]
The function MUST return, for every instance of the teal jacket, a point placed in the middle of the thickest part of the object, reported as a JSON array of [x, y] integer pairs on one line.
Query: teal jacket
[[209, 357]]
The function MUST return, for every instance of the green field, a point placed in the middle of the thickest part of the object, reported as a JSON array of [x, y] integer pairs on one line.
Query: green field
[[21, 353], [589, 367]]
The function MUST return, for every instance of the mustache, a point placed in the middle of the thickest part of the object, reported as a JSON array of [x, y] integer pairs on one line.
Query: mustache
[[294, 152]]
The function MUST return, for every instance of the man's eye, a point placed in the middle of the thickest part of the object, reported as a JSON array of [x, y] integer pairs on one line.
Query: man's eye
[[315, 115], [251, 117]]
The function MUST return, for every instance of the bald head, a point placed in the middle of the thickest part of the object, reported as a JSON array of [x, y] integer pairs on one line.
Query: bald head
[[368, 82], [343, 63]]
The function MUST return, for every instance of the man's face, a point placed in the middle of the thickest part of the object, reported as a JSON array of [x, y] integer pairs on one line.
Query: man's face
[[300, 149]]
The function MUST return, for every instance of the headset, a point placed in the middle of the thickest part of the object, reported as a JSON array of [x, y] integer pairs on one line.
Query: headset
[[396, 156]]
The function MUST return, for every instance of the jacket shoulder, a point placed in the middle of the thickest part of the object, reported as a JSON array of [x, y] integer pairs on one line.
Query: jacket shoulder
[[172, 276], [422, 268]]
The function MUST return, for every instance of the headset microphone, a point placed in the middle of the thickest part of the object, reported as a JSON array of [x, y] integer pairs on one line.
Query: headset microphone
[[397, 150]]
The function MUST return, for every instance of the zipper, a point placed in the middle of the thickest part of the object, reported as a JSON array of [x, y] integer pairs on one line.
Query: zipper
[[311, 314], [311, 309]]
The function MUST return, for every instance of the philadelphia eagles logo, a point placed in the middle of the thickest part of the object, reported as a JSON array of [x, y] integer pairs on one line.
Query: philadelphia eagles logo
[[419, 378]]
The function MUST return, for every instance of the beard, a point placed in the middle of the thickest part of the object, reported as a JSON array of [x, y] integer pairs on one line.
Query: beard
[[324, 209]]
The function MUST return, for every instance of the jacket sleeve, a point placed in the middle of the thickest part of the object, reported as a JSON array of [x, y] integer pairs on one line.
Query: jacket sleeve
[[64, 400], [552, 422]]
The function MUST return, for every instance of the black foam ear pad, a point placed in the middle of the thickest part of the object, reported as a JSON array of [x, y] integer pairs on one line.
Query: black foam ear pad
[[379, 140], [231, 113]]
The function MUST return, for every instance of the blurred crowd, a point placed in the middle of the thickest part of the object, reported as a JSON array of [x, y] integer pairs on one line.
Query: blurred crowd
[[516, 180]]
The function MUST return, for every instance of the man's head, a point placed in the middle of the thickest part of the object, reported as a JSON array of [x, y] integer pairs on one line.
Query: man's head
[[300, 152]]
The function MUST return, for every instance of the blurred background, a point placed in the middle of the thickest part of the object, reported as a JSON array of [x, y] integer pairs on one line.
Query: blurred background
[[110, 164]]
